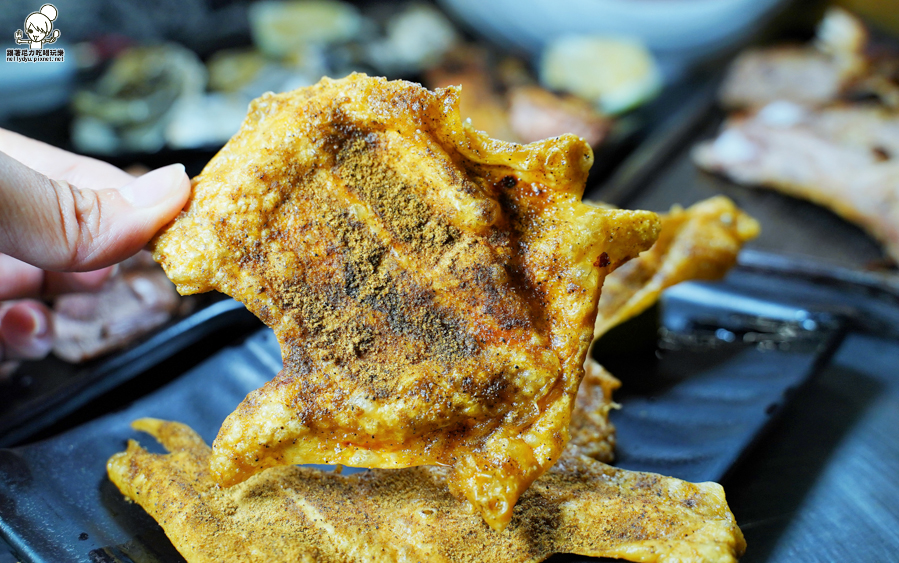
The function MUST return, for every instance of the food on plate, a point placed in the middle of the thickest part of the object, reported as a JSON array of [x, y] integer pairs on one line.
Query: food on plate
[[842, 157], [614, 73], [433, 290], [815, 74], [288, 513], [579, 506], [700, 242], [504, 101], [295, 513], [133, 302], [817, 122], [535, 114]]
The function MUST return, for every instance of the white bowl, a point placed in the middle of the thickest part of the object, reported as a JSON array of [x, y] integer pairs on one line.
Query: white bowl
[[679, 32]]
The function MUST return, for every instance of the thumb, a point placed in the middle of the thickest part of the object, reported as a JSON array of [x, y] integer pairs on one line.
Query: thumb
[[54, 225]]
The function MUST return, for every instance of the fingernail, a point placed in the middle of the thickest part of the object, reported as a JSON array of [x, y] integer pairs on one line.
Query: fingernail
[[154, 187]]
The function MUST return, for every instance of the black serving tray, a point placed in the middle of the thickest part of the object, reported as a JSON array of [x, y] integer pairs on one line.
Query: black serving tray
[[722, 368], [698, 391], [43, 392]]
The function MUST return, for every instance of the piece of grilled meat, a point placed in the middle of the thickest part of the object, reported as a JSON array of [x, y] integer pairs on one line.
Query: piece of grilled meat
[[433, 290], [843, 158]]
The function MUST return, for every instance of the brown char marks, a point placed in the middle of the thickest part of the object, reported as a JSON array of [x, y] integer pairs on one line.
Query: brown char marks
[[355, 301], [396, 203], [411, 310], [355, 307]]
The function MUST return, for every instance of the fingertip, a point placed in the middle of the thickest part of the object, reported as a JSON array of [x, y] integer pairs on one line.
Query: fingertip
[[168, 186], [26, 331], [136, 212]]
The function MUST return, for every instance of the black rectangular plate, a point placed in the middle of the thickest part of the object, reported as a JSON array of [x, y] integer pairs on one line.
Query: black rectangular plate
[[694, 399], [43, 392], [722, 368]]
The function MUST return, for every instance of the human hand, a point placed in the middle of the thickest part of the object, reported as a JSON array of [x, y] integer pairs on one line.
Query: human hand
[[64, 221]]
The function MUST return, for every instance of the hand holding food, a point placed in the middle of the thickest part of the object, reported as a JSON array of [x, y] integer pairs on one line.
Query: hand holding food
[[434, 281], [64, 220]]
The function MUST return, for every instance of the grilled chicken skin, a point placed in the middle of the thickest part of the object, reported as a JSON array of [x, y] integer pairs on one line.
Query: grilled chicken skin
[[433, 290]]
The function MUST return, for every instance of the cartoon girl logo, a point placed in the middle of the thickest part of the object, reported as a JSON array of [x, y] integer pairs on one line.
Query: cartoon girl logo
[[38, 26]]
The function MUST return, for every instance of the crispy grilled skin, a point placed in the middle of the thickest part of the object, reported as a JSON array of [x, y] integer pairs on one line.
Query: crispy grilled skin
[[843, 158], [701, 242], [433, 290], [302, 514], [592, 434]]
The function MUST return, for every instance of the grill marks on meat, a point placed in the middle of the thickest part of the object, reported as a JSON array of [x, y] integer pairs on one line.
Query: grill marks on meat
[[429, 310]]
